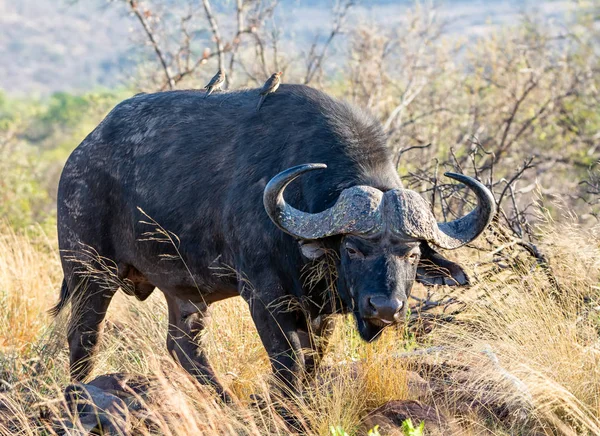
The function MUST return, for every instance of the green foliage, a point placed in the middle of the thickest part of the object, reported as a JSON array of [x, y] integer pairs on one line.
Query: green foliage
[[65, 109], [23, 197], [337, 431], [410, 430], [36, 137], [374, 431]]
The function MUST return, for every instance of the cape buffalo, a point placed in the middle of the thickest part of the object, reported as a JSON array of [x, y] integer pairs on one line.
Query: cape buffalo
[[212, 173]]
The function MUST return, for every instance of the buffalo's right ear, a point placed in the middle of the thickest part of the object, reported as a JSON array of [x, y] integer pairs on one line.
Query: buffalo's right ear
[[435, 269], [312, 249]]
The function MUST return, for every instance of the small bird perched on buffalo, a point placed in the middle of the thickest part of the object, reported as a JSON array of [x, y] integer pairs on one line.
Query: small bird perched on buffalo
[[269, 87], [215, 83]]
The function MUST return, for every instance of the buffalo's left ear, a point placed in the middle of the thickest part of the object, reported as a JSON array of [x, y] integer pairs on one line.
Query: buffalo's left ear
[[435, 269]]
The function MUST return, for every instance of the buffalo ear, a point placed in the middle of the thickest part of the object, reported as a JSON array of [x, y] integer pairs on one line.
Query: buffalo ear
[[312, 249], [435, 269]]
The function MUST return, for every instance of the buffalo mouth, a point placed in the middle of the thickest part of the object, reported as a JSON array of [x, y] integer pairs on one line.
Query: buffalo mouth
[[370, 329]]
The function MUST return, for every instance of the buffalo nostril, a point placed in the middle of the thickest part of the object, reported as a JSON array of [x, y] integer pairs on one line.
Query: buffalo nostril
[[398, 314], [385, 308], [372, 306]]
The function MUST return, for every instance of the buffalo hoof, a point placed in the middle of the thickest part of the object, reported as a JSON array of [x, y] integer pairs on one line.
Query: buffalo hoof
[[391, 415]]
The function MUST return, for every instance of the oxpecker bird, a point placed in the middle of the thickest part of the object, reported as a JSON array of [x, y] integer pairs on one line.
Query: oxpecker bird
[[269, 87], [215, 83]]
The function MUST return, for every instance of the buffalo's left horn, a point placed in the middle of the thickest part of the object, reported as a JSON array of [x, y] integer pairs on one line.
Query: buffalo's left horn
[[355, 211], [461, 231], [410, 215]]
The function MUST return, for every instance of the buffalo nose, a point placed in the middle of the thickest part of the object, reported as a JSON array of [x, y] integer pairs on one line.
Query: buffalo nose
[[386, 309]]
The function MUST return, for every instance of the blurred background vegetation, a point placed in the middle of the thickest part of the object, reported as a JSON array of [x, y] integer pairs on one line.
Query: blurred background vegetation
[[36, 137], [477, 86]]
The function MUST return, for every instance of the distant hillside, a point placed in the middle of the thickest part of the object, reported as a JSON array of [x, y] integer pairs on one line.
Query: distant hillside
[[50, 45]]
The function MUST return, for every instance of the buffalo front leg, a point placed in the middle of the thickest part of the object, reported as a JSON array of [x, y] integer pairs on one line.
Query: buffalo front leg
[[88, 309], [187, 322], [278, 331], [315, 340]]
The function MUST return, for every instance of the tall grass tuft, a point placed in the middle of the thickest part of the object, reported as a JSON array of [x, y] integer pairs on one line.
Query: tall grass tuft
[[527, 346]]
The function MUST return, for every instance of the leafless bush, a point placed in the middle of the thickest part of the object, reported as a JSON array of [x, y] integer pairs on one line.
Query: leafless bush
[[249, 50], [524, 92]]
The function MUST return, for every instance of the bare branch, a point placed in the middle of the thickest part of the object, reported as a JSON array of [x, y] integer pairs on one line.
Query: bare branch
[[315, 61], [239, 15], [216, 34], [526, 165], [141, 16], [404, 150]]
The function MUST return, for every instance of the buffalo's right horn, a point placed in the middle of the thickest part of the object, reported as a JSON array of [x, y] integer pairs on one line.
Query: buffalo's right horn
[[355, 211]]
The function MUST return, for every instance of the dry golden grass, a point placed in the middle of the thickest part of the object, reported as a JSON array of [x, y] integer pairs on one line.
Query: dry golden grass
[[29, 276], [535, 349]]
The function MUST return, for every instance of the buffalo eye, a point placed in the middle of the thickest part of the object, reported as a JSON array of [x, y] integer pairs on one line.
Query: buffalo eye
[[413, 258], [353, 252]]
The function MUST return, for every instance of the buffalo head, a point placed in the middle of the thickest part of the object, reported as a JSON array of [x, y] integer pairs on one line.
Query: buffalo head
[[383, 242]]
